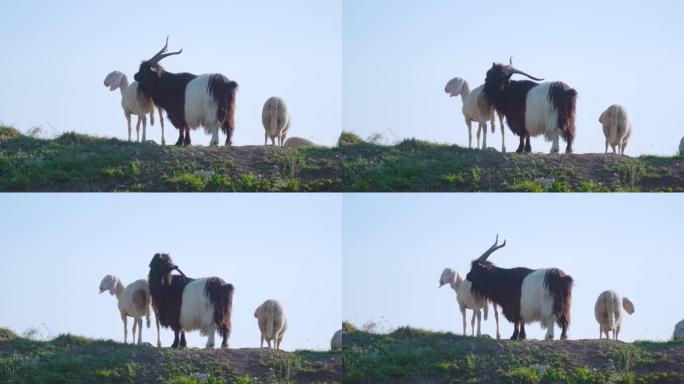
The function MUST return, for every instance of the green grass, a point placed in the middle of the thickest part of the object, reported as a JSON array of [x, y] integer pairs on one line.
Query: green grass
[[415, 355], [75, 359], [76, 162], [415, 165]]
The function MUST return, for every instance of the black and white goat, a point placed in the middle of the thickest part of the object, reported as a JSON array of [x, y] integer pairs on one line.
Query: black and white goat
[[532, 109], [190, 100], [525, 295], [187, 304]]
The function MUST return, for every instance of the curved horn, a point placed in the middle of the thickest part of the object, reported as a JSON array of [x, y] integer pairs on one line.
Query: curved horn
[[156, 56], [492, 249], [161, 54], [513, 71], [179, 271]]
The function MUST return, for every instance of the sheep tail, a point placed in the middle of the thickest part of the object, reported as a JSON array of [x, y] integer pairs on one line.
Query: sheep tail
[[610, 308], [270, 320]]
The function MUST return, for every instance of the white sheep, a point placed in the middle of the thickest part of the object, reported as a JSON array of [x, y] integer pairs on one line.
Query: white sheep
[[475, 108], [616, 127], [134, 301], [298, 142], [466, 300], [133, 103], [272, 322], [336, 341], [276, 120], [609, 311]]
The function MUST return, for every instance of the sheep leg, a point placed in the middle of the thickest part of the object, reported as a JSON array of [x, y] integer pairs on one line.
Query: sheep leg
[[479, 323], [144, 121], [128, 120], [268, 341], [261, 345], [616, 332], [161, 121], [463, 313], [600, 332], [265, 138], [472, 323], [135, 324], [279, 340], [187, 141], [125, 322], [484, 135], [622, 148], [479, 129], [496, 317], [140, 323], [137, 130], [158, 332], [606, 147], [470, 133]]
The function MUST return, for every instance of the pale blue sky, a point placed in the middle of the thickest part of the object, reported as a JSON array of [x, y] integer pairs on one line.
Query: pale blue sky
[[56, 56], [57, 248], [398, 56], [396, 246]]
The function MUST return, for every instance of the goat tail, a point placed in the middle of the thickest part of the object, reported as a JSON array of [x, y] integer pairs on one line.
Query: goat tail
[[559, 287]]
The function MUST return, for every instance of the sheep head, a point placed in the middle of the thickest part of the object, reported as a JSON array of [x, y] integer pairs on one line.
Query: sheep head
[[150, 71], [113, 80], [109, 283], [454, 86], [161, 267], [627, 305], [447, 277]]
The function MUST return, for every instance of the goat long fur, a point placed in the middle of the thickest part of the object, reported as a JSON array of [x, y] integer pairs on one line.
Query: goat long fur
[[609, 311], [186, 304], [134, 301], [475, 108], [532, 109], [525, 295], [190, 100], [616, 128], [272, 322]]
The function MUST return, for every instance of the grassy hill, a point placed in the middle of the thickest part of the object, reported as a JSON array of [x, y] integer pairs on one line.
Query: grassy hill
[[420, 166], [410, 355], [75, 162], [74, 359]]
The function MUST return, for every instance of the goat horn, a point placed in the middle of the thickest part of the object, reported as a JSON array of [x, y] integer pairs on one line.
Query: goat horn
[[179, 271], [157, 55], [169, 54], [492, 249], [513, 70]]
